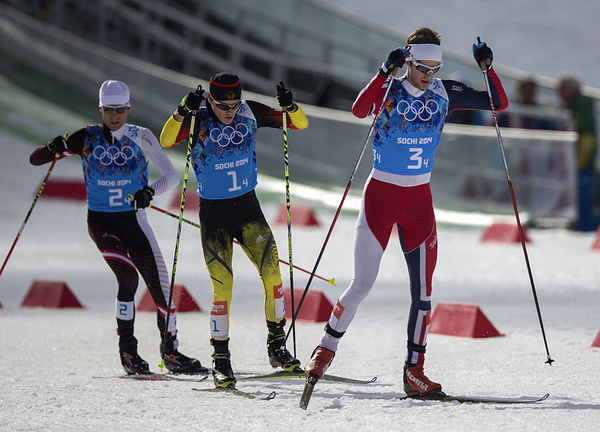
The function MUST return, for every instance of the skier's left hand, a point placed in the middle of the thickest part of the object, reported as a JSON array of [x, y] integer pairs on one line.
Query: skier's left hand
[[142, 198], [483, 55], [284, 97]]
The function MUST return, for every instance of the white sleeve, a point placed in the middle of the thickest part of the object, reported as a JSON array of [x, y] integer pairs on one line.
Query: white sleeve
[[155, 153]]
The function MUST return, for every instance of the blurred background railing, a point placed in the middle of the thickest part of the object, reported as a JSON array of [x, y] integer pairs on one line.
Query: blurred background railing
[[64, 49]]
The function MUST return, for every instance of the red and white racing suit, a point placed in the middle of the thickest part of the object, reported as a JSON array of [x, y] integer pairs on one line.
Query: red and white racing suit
[[405, 138]]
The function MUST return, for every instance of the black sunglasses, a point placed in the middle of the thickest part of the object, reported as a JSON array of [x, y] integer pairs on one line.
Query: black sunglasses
[[227, 107], [110, 110]]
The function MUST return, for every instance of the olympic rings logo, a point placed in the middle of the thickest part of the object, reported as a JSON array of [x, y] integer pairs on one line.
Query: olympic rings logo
[[114, 154], [229, 135], [424, 111]]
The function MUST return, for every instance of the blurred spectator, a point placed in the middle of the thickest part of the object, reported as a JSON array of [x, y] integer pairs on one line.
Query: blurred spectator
[[522, 112], [584, 123]]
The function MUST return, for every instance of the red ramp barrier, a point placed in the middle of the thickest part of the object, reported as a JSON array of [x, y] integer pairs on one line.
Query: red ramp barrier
[[50, 294], [503, 232], [182, 299], [65, 189], [596, 343], [459, 319], [315, 308], [301, 216]]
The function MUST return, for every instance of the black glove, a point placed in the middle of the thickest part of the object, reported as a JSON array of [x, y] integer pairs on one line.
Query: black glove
[[284, 97], [394, 60], [142, 198], [483, 54], [57, 145], [191, 102]]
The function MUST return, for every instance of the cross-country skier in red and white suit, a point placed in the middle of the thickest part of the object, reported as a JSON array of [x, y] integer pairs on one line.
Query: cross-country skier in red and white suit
[[397, 192]]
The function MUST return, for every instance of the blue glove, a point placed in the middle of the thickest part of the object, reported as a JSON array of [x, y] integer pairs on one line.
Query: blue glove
[[483, 54], [394, 60]]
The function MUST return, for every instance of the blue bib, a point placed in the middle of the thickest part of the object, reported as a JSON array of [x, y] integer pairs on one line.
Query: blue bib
[[113, 171], [224, 158], [408, 130]]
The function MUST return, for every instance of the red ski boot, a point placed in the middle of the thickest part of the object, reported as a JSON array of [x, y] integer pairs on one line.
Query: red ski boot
[[417, 385], [320, 360]]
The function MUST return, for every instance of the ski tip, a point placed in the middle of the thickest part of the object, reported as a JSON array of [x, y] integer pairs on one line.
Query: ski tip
[[311, 380]]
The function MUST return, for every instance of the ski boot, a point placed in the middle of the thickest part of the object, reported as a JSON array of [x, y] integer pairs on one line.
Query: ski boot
[[133, 363], [221, 365], [177, 362], [417, 385], [279, 356], [130, 359], [319, 362]]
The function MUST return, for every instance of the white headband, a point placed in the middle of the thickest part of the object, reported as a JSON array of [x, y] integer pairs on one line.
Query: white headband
[[425, 52]]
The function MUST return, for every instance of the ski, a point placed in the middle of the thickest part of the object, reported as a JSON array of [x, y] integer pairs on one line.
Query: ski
[[237, 392], [477, 399], [311, 380], [302, 375], [336, 378], [157, 377]]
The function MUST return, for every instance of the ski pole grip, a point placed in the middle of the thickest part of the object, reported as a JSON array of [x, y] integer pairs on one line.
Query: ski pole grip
[[482, 64]]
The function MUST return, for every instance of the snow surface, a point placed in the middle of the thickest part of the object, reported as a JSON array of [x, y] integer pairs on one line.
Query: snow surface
[[541, 37], [60, 367]]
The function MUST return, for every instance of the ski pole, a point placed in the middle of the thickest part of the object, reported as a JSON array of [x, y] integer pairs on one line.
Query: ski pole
[[44, 181], [192, 223], [339, 209], [192, 139], [484, 70], [289, 222]]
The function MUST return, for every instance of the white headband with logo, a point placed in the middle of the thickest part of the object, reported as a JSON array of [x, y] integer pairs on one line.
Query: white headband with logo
[[425, 52]]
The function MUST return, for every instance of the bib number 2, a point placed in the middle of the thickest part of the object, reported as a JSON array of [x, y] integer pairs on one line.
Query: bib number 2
[[116, 197]]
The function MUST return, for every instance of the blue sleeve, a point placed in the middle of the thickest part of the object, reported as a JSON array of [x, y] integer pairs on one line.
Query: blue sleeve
[[461, 96]]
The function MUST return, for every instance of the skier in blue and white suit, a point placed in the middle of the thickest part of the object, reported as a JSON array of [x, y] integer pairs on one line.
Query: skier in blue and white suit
[[115, 158]]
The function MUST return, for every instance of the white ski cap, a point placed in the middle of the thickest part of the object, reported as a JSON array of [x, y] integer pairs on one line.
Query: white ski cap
[[114, 93]]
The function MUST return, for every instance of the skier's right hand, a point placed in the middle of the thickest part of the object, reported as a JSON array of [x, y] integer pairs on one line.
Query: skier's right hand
[[394, 60], [57, 145], [191, 102]]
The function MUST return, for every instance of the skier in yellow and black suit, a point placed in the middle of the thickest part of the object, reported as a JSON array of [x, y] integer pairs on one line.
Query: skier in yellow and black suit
[[224, 160]]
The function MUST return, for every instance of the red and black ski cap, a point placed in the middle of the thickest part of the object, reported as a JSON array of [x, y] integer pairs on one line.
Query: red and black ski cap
[[225, 86]]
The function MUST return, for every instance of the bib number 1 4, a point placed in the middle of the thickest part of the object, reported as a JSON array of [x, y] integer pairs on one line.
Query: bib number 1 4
[[234, 179]]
